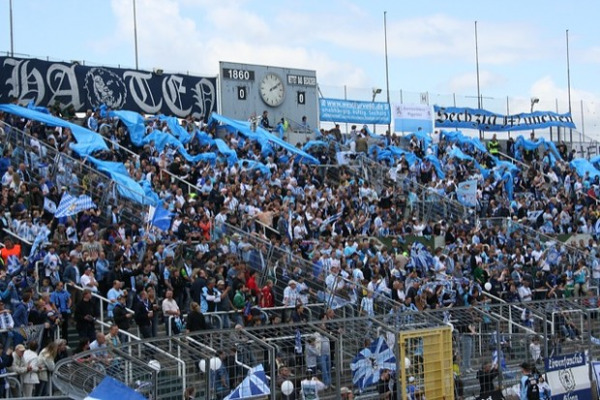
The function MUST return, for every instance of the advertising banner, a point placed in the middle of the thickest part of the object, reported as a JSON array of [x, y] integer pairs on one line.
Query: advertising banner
[[358, 112]]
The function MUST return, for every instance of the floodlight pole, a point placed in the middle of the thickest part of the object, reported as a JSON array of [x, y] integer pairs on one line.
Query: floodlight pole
[[10, 18], [135, 39], [387, 71], [477, 69]]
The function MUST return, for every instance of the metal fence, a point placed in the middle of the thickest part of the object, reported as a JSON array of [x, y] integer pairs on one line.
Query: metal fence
[[482, 336]]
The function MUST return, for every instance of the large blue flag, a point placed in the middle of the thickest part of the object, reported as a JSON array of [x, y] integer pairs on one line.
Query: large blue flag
[[111, 389], [466, 193], [161, 218]]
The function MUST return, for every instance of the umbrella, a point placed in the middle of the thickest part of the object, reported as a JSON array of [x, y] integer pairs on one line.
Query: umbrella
[[253, 385], [367, 365]]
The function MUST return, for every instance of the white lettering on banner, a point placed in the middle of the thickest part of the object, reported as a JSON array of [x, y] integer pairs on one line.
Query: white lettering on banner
[[494, 121], [24, 84], [173, 88], [62, 82], [567, 361], [141, 93], [205, 97], [570, 396], [82, 87]]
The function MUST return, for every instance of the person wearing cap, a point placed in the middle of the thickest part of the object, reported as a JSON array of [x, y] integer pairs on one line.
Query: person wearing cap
[[122, 316], [530, 376], [25, 364]]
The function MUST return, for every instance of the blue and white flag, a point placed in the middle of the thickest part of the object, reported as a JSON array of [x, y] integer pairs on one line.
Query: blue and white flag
[[254, 385], [161, 217], [40, 239], [367, 365], [298, 342], [330, 220], [49, 205], [466, 193], [71, 205], [110, 389]]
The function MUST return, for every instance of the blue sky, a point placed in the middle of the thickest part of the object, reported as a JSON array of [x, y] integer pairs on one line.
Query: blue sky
[[431, 45]]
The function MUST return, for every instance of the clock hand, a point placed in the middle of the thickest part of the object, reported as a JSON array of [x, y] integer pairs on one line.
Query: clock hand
[[275, 87]]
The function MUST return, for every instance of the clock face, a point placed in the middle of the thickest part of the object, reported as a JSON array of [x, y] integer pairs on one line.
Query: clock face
[[271, 90]]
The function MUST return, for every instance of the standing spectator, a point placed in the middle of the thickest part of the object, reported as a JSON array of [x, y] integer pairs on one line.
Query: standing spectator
[[325, 360], [88, 280], [25, 364], [312, 354], [144, 314], [6, 324], [310, 388], [61, 301], [529, 385], [267, 300], [45, 363], [486, 376], [220, 378], [210, 297], [21, 318], [386, 385], [85, 316], [171, 313], [113, 295], [195, 320], [122, 316]]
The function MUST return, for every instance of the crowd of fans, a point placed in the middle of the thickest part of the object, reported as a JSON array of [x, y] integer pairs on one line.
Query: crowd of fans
[[322, 224]]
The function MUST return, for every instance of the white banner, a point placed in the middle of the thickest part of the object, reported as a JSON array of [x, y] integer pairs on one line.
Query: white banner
[[568, 377], [412, 117]]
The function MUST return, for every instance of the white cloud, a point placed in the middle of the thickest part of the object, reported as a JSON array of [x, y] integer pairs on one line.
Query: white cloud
[[467, 83], [228, 31], [548, 93], [592, 55]]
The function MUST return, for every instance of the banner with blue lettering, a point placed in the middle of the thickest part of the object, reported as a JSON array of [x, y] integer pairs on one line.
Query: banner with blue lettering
[[463, 117], [87, 87], [352, 111], [568, 377]]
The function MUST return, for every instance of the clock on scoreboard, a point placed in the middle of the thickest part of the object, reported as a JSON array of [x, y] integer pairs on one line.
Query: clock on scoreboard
[[248, 89]]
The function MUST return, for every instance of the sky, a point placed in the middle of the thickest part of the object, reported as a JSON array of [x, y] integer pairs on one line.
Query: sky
[[431, 44]]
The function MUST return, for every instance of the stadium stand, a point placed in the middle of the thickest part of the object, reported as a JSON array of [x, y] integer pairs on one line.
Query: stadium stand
[[254, 254]]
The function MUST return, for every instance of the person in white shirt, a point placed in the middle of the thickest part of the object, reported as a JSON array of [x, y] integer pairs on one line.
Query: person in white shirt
[[310, 388], [88, 281], [170, 308], [290, 294], [525, 291], [100, 344]]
